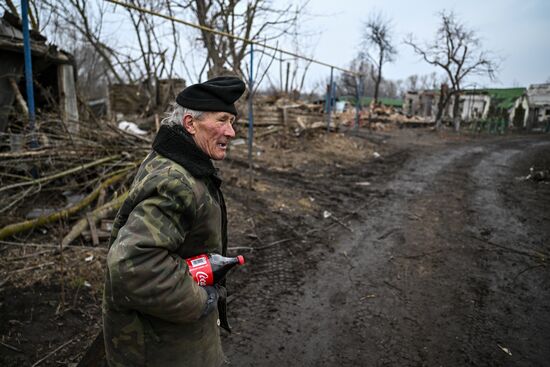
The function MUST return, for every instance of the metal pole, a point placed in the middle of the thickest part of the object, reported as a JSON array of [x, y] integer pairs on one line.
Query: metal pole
[[281, 71], [329, 108], [250, 115], [28, 69], [327, 96], [358, 102]]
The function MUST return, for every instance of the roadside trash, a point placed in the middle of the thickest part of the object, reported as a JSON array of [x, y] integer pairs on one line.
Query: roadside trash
[[131, 127], [536, 175], [237, 142], [540, 175], [505, 350], [327, 214], [39, 212], [376, 155], [89, 258], [72, 198], [363, 183]]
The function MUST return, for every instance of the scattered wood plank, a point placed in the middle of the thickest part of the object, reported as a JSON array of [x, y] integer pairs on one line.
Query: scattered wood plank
[[93, 230], [40, 221], [100, 213]]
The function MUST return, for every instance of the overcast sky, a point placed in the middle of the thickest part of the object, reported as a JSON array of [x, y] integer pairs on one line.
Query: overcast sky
[[517, 30]]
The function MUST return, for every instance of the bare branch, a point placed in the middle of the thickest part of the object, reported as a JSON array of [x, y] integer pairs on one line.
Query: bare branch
[[377, 37], [12, 8]]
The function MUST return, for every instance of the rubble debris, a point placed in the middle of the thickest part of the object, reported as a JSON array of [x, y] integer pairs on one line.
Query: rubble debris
[[537, 175], [131, 127], [81, 171], [236, 142], [18, 227]]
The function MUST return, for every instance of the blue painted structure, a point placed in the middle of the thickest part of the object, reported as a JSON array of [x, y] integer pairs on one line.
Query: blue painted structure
[[28, 68], [250, 105]]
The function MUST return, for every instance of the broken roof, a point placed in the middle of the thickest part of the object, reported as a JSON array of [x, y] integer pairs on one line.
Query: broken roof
[[505, 97], [11, 39], [539, 94], [501, 98]]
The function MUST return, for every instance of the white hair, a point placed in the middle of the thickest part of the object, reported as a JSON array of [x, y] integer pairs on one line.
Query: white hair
[[175, 116]]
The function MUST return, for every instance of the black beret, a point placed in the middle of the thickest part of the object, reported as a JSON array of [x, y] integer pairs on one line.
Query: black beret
[[218, 95]]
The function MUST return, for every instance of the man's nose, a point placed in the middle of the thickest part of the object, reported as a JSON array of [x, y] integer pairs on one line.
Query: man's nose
[[230, 131]]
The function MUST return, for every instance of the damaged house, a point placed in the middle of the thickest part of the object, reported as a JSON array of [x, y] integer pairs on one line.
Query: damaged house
[[532, 109], [53, 77], [475, 104], [421, 103]]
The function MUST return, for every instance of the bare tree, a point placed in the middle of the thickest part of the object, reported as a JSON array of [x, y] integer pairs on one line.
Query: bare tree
[[154, 55], [146, 53], [458, 51], [412, 82], [33, 11], [255, 19], [304, 44], [347, 84], [377, 39], [84, 20]]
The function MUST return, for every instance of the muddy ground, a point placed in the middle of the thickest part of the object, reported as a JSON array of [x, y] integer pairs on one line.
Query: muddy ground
[[435, 253]]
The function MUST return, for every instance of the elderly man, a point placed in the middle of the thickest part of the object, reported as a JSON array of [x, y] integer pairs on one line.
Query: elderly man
[[154, 314]]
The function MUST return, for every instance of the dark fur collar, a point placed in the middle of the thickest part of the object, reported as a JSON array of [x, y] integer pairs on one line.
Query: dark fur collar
[[174, 143]]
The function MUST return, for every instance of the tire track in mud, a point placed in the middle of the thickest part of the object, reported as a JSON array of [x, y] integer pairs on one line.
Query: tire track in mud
[[266, 313], [515, 310], [373, 334], [430, 293], [410, 285], [320, 314]]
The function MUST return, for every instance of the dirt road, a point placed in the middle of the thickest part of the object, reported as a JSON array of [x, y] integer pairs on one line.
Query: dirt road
[[444, 263]]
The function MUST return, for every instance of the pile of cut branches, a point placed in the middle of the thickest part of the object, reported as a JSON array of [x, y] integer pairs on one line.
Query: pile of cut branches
[[66, 177]]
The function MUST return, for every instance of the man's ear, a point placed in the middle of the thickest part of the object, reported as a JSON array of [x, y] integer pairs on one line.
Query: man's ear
[[188, 123]]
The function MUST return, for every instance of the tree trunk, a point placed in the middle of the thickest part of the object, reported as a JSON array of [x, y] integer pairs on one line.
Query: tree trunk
[[439, 119], [456, 112], [377, 84], [378, 77], [441, 106]]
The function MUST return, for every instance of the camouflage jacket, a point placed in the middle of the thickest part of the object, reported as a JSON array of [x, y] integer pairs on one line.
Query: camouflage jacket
[[151, 305]]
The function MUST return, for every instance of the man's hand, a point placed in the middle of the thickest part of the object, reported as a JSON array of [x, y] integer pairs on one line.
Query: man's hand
[[214, 293]]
